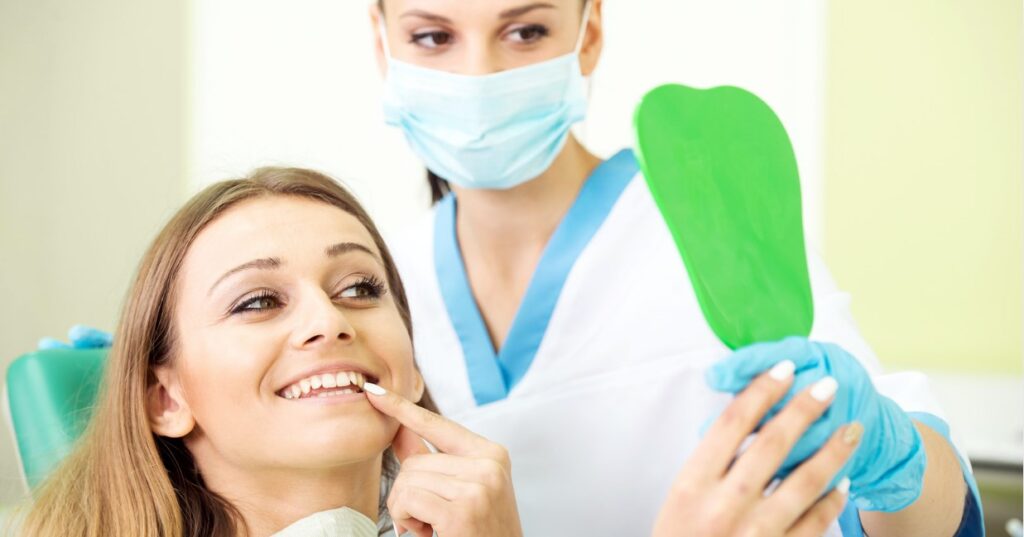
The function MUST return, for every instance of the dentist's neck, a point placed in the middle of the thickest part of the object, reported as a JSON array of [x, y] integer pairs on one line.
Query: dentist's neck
[[503, 224]]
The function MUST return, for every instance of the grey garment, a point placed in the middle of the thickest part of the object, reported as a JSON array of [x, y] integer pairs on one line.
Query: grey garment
[[340, 522]]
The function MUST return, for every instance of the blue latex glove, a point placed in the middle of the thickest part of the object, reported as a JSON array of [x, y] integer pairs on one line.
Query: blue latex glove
[[80, 337], [887, 470]]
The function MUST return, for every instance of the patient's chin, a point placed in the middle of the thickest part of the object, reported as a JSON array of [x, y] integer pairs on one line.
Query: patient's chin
[[326, 445]]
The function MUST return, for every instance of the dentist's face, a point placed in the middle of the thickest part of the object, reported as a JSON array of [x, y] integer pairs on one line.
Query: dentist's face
[[478, 37], [281, 303]]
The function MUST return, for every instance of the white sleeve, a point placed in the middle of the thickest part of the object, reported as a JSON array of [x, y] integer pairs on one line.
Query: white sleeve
[[833, 323]]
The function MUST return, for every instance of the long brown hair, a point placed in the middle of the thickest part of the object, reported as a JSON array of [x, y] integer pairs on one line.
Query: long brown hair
[[123, 480]]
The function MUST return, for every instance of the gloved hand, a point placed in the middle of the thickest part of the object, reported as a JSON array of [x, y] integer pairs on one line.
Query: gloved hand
[[887, 471], [80, 337]]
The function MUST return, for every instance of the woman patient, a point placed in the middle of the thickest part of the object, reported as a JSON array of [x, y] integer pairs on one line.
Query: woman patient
[[233, 400]]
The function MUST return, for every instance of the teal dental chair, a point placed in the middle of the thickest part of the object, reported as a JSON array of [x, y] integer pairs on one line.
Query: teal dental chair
[[48, 400]]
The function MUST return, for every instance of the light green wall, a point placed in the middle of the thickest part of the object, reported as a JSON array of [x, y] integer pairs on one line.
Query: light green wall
[[923, 178], [92, 151]]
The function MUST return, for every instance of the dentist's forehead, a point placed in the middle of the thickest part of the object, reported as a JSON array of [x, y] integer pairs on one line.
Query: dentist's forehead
[[476, 7]]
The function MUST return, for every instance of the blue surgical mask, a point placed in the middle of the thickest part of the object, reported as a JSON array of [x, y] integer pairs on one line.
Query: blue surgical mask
[[492, 131]]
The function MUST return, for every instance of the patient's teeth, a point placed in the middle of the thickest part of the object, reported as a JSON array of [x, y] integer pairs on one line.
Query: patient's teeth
[[338, 380]]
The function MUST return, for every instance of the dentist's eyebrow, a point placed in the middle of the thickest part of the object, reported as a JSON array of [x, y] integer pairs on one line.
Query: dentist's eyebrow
[[523, 10], [266, 263], [340, 248], [419, 13]]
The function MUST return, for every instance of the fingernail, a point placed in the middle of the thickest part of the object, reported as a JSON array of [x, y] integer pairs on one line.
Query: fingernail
[[852, 433], [844, 486], [373, 388], [782, 370], [824, 389]]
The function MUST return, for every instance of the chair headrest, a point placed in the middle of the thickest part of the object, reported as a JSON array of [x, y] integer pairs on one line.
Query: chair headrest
[[50, 395]]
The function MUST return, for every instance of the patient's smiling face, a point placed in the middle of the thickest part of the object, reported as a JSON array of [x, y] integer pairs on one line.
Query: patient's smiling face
[[275, 296]]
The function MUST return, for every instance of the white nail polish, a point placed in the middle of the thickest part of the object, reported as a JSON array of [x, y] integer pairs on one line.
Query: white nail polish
[[824, 389], [373, 388], [782, 370], [844, 486]]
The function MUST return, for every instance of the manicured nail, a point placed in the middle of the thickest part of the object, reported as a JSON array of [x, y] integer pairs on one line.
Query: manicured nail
[[373, 388], [852, 433], [782, 370], [824, 389], [844, 486]]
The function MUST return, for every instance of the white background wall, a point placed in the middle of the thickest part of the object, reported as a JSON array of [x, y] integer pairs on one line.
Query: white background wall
[[296, 83]]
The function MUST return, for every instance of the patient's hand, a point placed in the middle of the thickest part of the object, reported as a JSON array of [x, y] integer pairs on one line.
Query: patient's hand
[[465, 490], [718, 493]]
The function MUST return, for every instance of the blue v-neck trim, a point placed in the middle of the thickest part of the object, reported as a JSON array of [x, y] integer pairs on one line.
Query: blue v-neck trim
[[492, 375]]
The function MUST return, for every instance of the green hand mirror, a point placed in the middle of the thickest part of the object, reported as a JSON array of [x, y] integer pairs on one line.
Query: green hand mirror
[[721, 169]]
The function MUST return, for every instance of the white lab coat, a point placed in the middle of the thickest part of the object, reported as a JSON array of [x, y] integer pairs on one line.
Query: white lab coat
[[615, 398]]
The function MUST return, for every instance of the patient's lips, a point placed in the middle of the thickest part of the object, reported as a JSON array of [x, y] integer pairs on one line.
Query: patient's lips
[[328, 384]]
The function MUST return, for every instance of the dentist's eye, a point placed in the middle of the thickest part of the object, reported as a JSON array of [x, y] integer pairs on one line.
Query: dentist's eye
[[431, 39], [369, 288], [264, 300], [530, 33]]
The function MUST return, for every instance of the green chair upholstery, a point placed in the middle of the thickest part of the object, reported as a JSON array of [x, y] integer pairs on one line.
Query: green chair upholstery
[[50, 396]]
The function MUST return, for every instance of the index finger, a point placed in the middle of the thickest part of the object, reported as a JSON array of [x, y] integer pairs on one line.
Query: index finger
[[443, 433]]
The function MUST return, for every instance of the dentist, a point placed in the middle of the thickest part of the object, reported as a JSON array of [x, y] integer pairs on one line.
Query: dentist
[[554, 316]]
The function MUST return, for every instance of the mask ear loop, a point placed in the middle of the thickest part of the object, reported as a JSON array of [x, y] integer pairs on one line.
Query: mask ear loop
[[581, 127], [583, 27], [382, 28]]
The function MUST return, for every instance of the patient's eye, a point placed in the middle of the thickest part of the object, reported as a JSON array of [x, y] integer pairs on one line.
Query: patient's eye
[[262, 301], [368, 288]]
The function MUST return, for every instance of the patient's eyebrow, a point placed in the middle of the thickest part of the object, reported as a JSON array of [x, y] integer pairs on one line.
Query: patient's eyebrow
[[340, 248], [265, 263]]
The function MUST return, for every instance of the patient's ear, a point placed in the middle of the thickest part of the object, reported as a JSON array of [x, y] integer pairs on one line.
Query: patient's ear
[[168, 412]]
